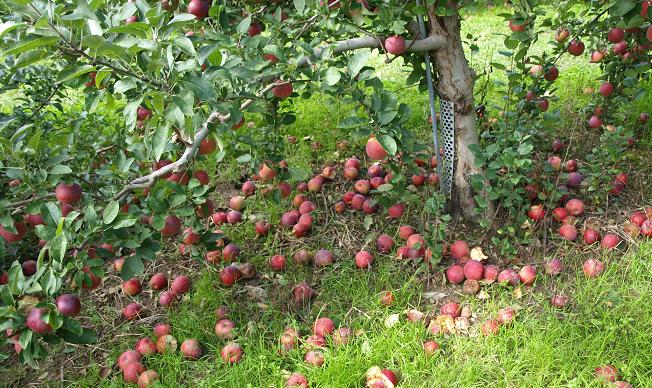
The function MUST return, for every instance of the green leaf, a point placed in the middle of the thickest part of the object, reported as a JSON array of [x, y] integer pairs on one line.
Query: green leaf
[[130, 112], [124, 84], [159, 141], [182, 17], [9, 26], [202, 89], [621, 7], [133, 265], [388, 143], [60, 169], [332, 76], [138, 29], [243, 26], [57, 247], [299, 5], [185, 45], [30, 43], [298, 174], [82, 12], [86, 337], [110, 212], [357, 62], [126, 222]]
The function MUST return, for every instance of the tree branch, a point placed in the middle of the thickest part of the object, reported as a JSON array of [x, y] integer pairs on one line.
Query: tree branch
[[430, 43], [150, 179]]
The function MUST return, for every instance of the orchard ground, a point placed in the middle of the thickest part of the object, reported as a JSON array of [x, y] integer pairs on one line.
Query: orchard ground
[[607, 321]]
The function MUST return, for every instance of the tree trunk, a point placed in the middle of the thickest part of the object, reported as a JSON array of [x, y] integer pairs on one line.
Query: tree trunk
[[455, 80]]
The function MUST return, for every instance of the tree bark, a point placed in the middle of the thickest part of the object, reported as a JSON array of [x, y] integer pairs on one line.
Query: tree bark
[[454, 82]]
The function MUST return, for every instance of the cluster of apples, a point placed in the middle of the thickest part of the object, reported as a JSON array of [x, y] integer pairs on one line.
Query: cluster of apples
[[130, 362], [66, 194]]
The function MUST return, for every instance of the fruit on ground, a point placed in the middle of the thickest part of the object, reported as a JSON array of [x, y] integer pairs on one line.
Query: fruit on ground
[[342, 336], [302, 293], [384, 243], [592, 268], [229, 275], [181, 284], [575, 207], [314, 358], [297, 380], [459, 249], [455, 274], [590, 236], [323, 326], [132, 287], [146, 346], [395, 45], [559, 301], [396, 210], [131, 311], [452, 309], [132, 371], [147, 379], [231, 353], [405, 231], [191, 349], [166, 344], [387, 298], [323, 258], [528, 275], [231, 252], [158, 281], [162, 329], [508, 276], [606, 372], [224, 328], [490, 327], [553, 267], [610, 241], [559, 214], [266, 173], [430, 347], [167, 298], [363, 259], [473, 270], [35, 321], [277, 262], [375, 150], [568, 232], [68, 305], [128, 357], [536, 213], [506, 315], [68, 194], [490, 273]]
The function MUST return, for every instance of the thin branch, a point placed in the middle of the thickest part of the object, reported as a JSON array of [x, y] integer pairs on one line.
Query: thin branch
[[41, 106], [95, 61], [149, 180], [28, 201], [580, 32], [430, 43]]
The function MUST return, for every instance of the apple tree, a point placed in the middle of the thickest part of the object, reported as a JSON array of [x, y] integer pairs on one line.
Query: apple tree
[[185, 75]]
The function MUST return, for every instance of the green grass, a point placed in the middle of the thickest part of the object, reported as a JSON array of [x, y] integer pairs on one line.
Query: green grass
[[607, 321]]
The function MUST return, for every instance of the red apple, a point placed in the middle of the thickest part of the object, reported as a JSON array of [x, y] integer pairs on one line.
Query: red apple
[[395, 45]]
